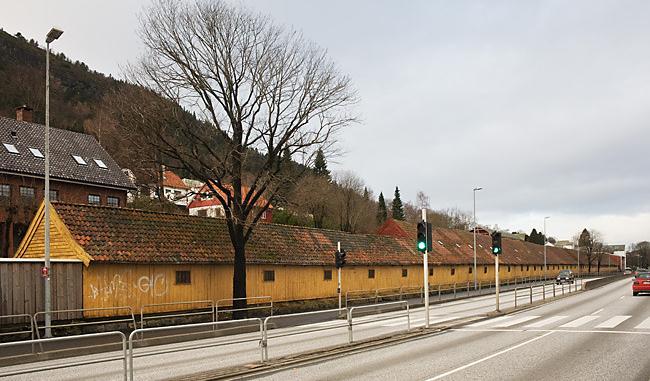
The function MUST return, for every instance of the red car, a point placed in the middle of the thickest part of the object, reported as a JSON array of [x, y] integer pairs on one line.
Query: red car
[[641, 284]]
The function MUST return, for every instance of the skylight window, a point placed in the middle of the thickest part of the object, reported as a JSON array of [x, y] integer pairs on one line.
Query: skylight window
[[80, 160], [100, 163], [36, 152], [11, 148]]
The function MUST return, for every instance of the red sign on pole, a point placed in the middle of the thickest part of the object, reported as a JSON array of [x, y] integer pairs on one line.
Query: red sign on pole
[[45, 272]]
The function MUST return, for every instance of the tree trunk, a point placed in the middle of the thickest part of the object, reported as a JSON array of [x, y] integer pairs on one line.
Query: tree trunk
[[239, 275]]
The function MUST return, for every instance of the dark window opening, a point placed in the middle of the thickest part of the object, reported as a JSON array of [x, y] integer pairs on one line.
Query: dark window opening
[[327, 275], [484, 269], [508, 268], [54, 195], [269, 275], [202, 213], [27, 192], [405, 273], [371, 273], [471, 269], [453, 271], [183, 277], [430, 271]]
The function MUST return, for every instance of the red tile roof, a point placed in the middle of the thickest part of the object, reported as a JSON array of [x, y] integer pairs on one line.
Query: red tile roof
[[198, 201], [452, 246], [172, 180], [121, 235]]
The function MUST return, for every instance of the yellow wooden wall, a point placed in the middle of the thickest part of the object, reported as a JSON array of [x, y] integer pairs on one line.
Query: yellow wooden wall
[[118, 285]]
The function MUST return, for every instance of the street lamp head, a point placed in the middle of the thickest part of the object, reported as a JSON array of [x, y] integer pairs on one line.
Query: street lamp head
[[547, 217], [477, 189], [53, 34]]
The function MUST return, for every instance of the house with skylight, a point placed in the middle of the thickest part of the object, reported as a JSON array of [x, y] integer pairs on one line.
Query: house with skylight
[[81, 172]]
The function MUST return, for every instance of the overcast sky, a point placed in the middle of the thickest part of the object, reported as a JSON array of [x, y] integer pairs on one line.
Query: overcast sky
[[545, 104]]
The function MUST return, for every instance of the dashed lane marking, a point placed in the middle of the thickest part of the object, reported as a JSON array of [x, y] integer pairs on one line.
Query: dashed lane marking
[[545, 322], [580, 321], [520, 320], [613, 322], [644, 325]]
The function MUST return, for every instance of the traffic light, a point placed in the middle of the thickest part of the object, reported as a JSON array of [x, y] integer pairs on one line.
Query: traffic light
[[496, 243], [422, 237], [339, 258]]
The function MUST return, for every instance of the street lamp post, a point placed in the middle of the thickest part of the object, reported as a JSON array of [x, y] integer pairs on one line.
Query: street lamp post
[[474, 231], [545, 218], [52, 35]]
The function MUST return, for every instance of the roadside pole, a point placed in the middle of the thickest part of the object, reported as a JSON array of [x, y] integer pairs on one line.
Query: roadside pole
[[426, 273], [338, 248], [496, 279]]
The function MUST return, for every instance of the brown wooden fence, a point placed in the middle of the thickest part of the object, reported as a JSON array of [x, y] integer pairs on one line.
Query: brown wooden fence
[[22, 287]]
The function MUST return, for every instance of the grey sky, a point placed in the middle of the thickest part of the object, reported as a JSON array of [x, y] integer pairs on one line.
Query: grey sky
[[551, 95]]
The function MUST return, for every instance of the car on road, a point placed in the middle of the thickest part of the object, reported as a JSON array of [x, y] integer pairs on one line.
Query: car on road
[[627, 271], [641, 284], [565, 276]]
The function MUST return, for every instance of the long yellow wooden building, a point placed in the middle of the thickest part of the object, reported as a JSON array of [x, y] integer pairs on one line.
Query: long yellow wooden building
[[134, 257]]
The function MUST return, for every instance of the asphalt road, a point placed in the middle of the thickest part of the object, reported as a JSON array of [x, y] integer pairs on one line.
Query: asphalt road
[[208, 354], [603, 334]]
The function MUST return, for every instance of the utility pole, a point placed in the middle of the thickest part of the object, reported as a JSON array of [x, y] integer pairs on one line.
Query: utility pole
[[338, 249], [426, 271], [52, 35], [545, 218], [474, 231]]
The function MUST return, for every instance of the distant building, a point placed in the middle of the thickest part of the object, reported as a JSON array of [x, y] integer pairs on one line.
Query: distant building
[[206, 205], [81, 172], [174, 189]]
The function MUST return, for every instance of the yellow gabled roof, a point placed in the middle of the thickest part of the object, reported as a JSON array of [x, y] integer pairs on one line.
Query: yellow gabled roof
[[62, 243]]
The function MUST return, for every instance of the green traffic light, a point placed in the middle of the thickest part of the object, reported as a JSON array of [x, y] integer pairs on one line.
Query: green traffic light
[[421, 245]]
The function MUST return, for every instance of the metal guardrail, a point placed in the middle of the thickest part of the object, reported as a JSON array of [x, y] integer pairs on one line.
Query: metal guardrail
[[19, 316], [352, 309], [255, 306], [178, 313], [41, 367], [86, 323], [266, 336], [141, 331]]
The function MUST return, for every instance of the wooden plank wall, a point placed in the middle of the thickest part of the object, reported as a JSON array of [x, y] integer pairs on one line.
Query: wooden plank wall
[[119, 285], [22, 288]]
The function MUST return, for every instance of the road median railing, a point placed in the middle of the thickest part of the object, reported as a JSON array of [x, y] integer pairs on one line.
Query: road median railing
[[253, 303], [17, 329], [205, 308], [235, 326], [306, 325], [129, 318], [41, 367], [399, 305]]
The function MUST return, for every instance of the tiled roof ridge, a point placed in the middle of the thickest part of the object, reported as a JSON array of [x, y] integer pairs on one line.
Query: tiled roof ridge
[[55, 128], [145, 211]]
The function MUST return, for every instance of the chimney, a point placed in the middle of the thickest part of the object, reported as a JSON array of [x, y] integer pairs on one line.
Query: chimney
[[24, 113]]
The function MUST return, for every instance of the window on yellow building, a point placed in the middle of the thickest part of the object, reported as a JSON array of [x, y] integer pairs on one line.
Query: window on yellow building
[[484, 269], [430, 271], [470, 269], [508, 268], [327, 275], [371, 273], [405, 273], [453, 271], [183, 277], [269, 275]]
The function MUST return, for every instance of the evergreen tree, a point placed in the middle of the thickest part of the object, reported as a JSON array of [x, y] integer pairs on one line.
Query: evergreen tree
[[398, 208], [320, 164], [382, 213]]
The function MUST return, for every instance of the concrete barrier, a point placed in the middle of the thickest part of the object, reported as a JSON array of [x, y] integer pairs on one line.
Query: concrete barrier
[[592, 284]]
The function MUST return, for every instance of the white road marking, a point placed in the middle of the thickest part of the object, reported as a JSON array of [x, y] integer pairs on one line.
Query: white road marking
[[549, 321], [644, 325], [548, 330], [613, 322], [622, 297], [420, 321], [600, 310], [580, 321], [488, 357], [491, 321], [510, 323]]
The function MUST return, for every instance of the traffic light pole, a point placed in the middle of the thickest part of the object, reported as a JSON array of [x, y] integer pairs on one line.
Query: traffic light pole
[[338, 247], [426, 273], [496, 279]]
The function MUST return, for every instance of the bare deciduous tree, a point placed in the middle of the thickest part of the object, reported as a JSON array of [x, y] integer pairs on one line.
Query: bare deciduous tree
[[590, 243], [255, 86]]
